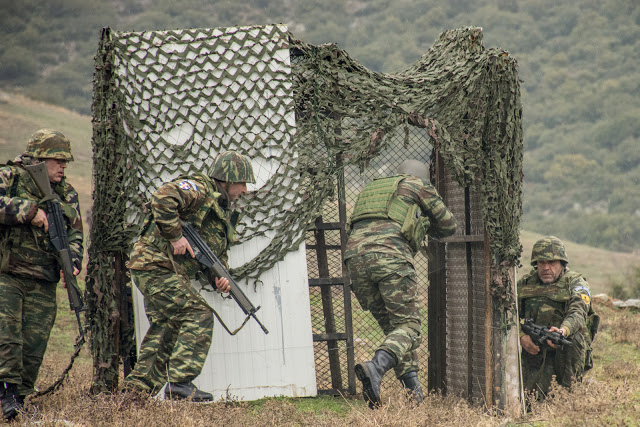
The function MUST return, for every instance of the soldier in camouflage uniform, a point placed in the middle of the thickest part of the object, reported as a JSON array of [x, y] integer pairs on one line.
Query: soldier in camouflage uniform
[[29, 269], [555, 297], [390, 220], [162, 266]]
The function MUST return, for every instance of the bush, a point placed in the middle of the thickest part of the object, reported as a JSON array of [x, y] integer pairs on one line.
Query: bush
[[18, 63]]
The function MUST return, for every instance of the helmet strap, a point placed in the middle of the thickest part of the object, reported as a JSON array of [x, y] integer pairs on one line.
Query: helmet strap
[[222, 187]]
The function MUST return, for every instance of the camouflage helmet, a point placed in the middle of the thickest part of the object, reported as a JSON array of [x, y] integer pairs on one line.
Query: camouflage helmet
[[415, 168], [49, 144], [548, 248], [231, 166]]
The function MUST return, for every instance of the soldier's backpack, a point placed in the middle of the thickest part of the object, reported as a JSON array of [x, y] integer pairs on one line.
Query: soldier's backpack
[[593, 322], [5, 231]]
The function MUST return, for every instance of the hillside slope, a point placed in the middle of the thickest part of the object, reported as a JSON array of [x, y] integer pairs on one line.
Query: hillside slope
[[20, 117]]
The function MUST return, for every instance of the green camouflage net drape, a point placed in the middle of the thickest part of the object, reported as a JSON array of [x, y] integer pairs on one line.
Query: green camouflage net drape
[[292, 115]]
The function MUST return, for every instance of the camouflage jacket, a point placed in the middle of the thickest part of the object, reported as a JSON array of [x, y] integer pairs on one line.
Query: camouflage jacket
[[29, 249], [563, 304], [385, 236], [196, 199]]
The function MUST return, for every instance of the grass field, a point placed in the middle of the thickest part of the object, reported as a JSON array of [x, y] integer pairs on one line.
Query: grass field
[[609, 395]]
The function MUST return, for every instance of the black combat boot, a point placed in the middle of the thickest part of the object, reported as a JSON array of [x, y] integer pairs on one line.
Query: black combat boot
[[186, 390], [411, 383], [11, 402], [371, 373]]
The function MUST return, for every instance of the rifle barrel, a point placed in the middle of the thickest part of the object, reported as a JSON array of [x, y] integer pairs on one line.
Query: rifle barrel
[[208, 258]]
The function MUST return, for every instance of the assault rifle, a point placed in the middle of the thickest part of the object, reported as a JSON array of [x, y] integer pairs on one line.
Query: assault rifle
[[58, 237], [539, 335], [206, 257]]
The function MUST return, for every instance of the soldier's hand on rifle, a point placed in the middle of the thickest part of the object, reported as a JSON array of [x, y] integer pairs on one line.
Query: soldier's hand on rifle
[[554, 329], [75, 273], [527, 343], [182, 246], [223, 284], [40, 220]]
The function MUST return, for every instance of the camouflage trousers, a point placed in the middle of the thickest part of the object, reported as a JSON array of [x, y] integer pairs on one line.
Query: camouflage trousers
[[180, 331], [27, 313], [387, 286], [567, 365]]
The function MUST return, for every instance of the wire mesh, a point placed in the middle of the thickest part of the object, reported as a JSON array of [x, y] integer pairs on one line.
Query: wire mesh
[[414, 143]]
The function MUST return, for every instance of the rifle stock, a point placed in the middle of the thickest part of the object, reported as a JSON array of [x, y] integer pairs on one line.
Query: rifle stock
[[58, 237], [208, 258]]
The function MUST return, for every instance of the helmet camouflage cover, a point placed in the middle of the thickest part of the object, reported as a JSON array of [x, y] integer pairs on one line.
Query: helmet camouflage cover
[[548, 248], [231, 166], [49, 144]]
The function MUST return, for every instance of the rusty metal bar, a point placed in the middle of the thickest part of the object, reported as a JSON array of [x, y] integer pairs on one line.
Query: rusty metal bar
[[327, 306], [348, 322], [437, 300], [469, 261], [488, 323]]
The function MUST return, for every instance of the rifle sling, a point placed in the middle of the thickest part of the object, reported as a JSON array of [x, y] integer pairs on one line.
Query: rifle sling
[[56, 385], [246, 319]]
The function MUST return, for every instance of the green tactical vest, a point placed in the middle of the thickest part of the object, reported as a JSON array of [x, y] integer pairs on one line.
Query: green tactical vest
[[8, 234], [558, 292], [378, 200], [12, 238], [210, 204]]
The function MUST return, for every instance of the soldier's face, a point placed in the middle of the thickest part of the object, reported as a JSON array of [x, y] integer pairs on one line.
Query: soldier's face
[[549, 271], [55, 169], [236, 189]]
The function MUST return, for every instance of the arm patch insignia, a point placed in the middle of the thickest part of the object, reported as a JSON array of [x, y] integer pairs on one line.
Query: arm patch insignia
[[582, 288], [187, 184]]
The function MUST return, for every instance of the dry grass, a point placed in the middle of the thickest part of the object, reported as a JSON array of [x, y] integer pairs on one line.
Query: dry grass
[[609, 395]]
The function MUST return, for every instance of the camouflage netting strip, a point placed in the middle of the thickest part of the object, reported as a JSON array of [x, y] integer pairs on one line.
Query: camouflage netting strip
[[467, 97], [166, 102]]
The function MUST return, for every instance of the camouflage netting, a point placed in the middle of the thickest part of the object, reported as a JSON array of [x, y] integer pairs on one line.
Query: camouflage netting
[[165, 103]]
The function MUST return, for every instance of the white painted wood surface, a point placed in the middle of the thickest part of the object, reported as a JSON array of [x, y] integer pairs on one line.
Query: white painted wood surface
[[249, 365], [252, 365]]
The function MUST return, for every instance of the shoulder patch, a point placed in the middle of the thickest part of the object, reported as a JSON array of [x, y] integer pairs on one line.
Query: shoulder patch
[[187, 184], [582, 288]]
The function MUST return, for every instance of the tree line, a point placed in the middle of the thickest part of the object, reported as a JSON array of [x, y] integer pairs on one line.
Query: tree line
[[579, 61]]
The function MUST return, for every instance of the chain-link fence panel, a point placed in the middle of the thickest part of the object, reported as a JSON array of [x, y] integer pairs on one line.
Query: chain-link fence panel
[[367, 335]]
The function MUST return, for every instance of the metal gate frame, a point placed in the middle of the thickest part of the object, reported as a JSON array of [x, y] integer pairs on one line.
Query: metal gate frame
[[468, 351]]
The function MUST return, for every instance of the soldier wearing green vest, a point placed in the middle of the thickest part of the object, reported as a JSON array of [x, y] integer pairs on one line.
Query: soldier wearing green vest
[[390, 221], [162, 266], [558, 298], [29, 268]]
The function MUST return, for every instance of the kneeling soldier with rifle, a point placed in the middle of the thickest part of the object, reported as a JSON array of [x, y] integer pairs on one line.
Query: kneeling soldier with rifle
[[162, 265], [40, 243], [557, 321]]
